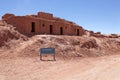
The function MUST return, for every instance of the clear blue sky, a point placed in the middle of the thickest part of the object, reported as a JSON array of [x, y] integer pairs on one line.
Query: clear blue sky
[[96, 15]]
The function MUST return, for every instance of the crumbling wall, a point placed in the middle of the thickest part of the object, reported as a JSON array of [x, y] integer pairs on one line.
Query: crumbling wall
[[45, 15], [7, 33], [7, 16], [43, 23]]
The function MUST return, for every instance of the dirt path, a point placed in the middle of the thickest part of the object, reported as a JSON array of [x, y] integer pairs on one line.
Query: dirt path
[[102, 68]]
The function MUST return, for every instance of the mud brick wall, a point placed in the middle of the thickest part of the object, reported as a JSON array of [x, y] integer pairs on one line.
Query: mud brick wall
[[43, 23]]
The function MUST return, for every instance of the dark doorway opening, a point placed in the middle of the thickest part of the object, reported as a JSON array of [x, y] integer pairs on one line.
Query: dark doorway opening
[[61, 31], [78, 32], [33, 27], [51, 29]]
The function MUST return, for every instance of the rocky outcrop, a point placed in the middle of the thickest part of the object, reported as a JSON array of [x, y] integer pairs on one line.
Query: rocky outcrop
[[8, 32], [90, 44], [100, 35], [114, 36]]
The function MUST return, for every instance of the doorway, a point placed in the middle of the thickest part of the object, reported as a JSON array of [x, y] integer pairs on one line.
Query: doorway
[[33, 27], [51, 29], [78, 32], [61, 31]]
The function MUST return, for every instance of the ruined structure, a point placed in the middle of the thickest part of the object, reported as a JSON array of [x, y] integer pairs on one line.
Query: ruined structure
[[43, 23]]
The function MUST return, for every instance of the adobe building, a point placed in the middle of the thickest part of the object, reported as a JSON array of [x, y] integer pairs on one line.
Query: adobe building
[[43, 23]]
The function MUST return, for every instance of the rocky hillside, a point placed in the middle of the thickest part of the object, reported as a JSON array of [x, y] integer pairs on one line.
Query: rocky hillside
[[8, 32]]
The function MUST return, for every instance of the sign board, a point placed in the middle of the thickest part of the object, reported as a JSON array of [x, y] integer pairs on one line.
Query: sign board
[[46, 51]]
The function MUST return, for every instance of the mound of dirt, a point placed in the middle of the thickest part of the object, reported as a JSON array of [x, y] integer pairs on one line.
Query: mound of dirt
[[8, 32], [67, 47], [17, 45], [90, 44]]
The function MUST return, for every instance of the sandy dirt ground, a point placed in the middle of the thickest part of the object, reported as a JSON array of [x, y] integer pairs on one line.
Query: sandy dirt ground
[[100, 68]]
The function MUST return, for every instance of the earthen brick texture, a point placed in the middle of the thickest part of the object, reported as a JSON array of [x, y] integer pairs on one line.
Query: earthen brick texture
[[43, 23]]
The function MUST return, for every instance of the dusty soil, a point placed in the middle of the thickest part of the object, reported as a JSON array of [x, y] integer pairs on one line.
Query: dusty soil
[[101, 68]]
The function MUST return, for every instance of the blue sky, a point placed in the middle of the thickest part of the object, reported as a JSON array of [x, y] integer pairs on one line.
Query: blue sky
[[96, 15]]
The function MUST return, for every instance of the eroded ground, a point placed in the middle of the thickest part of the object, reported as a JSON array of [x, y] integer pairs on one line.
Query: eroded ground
[[101, 68]]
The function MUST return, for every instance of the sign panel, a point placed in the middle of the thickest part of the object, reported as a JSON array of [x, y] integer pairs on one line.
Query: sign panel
[[47, 50]]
